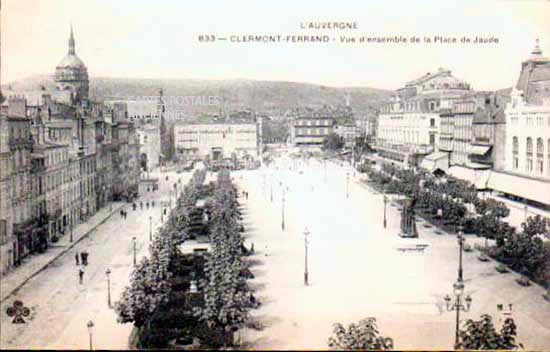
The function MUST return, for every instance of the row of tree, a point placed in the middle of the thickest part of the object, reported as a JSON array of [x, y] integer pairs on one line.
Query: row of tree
[[226, 295], [160, 300], [524, 251], [150, 282]]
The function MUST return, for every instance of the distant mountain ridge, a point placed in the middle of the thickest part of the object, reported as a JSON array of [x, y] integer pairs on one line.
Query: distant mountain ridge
[[234, 94]]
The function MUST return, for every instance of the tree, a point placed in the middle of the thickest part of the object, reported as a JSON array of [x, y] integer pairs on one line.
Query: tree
[[361, 336], [333, 142], [482, 335]]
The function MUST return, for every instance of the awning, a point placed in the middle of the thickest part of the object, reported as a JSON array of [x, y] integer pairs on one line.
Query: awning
[[519, 186], [479, 149], [475, 176], [434, 161]]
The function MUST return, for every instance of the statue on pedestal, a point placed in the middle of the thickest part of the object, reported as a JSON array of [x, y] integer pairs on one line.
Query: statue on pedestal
[[408, 221]]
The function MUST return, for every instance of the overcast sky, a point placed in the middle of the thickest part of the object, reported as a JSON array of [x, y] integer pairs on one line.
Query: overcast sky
[[159, 39]]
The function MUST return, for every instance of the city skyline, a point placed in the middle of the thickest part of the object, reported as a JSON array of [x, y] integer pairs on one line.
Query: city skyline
[[112, 42]]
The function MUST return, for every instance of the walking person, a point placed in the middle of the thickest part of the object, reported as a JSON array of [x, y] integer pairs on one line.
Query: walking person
[[76, 258], [82, 255], [80, 275]]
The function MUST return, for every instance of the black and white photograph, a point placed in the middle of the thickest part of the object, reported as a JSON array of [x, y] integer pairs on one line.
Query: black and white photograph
[[275, 175]]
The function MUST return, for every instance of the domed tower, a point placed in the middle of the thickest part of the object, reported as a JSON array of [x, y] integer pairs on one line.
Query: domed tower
[[71, 73]]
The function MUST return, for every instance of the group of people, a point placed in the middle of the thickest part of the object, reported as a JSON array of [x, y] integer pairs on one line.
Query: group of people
[[81, 260], [123, 214], [134, 205]]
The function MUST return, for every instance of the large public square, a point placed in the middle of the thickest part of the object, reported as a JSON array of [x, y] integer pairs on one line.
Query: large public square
[[356, 269]]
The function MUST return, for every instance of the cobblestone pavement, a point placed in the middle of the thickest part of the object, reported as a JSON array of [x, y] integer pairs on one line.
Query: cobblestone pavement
[[358, 269]]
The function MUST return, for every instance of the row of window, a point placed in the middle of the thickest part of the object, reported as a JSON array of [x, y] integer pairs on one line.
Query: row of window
[[529, 145], [530, 120]]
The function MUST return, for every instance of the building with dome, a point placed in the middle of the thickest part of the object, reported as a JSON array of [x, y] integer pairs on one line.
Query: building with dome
[[71, 74]]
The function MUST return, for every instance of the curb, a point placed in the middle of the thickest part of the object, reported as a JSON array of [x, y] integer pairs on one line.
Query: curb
[[71, 245]]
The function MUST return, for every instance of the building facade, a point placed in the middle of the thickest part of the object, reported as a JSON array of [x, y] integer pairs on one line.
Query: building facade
[[217, 140], [418, 121], [526, 170], [309, 129]]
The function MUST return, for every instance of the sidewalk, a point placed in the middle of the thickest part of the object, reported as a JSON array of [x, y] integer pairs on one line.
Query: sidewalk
[[34, 264]]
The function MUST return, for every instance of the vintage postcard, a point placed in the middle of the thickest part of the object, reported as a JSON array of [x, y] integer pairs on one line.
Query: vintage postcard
[[283, 175]]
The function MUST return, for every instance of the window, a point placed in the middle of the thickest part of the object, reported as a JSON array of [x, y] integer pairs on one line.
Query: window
[[515, 145], [540, 147], [432, 122], [529, 146]]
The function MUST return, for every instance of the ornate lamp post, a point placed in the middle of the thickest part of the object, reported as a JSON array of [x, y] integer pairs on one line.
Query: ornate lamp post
[[325, 166], [283, 211], [108, 272], [457, 305], [90, 327], [306, 273], [385, 205], [271, 186], [347, 184], [150, 228], [460, 238], [134, 241]]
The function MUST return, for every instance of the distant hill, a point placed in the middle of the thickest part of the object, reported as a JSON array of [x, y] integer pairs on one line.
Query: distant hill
[[268, 96]]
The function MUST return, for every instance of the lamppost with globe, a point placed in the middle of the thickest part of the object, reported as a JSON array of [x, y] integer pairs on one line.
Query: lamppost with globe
[[150, 228], [108, 273], [306, 273], [460, 238], [134, 241], [385, 205], [458, 305], [90, 327]]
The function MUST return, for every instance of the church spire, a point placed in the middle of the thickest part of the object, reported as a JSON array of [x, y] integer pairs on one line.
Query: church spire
[[71, 43]]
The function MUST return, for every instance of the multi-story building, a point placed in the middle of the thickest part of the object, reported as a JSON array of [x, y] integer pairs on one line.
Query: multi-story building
[[8, 246], [217, 139], [526, 170], [149, 145], [309, 129], [348, 132], [20, 144], [409, 125]]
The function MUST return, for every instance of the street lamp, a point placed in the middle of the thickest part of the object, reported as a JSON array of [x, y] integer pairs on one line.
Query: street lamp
[[283, 211], [150, 228], [306, 274], [108, 272], [460, 238], [90, 326], [134, 240], [457, 305], [385, 204], [71, 228], [347, 184]]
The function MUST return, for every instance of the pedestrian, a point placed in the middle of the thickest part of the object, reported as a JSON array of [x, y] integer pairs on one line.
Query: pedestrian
[[76, 258], [121, 213], [82, 256], [246, 195], [80, 274], [252, 248]]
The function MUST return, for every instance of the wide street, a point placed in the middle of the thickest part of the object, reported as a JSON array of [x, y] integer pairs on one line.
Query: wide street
[[61, 307], [358, 269]]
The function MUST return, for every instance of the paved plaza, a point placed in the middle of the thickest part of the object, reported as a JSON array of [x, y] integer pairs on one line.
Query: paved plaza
[[357, 270]]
